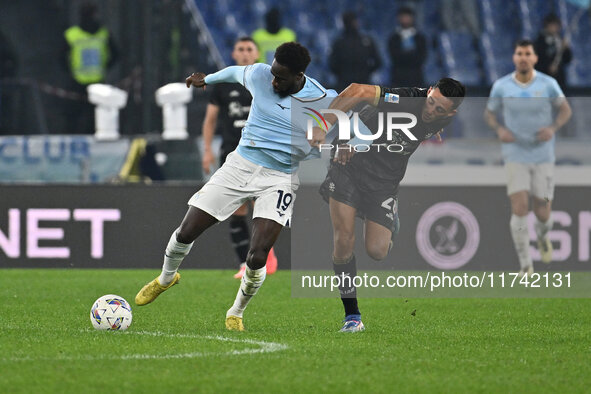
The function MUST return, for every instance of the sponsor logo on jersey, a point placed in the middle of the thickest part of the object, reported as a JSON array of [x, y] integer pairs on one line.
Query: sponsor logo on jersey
[[392, 98]]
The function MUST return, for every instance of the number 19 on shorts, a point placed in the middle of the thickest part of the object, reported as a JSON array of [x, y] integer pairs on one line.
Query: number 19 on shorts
[[284, 200]]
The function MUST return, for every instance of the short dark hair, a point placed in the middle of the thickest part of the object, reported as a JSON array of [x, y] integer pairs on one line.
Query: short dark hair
[[452, 89], [273, 14], [245, 39], [551, 18], [88, 9], [405, 10], [293, 56], [349, 18], [524, 42]]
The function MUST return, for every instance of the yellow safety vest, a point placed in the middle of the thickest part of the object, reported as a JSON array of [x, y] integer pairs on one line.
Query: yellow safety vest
[[268, 42], [89, 54]]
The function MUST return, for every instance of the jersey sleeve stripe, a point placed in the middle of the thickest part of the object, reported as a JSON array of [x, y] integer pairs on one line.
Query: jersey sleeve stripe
[[378, 94]]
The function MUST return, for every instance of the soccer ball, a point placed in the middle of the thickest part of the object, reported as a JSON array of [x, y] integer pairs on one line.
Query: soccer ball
[[110, 312]]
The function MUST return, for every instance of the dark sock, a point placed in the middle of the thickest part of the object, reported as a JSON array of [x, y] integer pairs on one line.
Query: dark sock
[[347, 289], [240, 236]]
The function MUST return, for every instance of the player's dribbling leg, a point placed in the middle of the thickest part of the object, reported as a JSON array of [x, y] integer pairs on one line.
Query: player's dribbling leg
[[195, 222], [264, 235], [240, 236]]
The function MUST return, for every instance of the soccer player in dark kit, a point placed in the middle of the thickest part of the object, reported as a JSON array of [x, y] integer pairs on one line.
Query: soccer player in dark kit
[[365, 183]]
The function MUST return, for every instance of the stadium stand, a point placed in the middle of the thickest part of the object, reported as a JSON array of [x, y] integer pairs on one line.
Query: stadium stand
[[183, 36], [451, 53], [578, 21]]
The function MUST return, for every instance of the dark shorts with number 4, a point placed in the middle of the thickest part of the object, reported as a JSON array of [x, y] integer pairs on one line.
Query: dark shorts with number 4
[[375, 204]]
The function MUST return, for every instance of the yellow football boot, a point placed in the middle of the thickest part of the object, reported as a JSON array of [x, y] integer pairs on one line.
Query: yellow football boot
[[234, 323], [152, 290], [545, 248]]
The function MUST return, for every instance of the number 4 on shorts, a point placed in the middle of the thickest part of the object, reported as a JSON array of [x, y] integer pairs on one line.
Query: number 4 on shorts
[[386, 204]]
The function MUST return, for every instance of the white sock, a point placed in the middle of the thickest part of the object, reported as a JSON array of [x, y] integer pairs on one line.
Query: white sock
[[520, 235], [173, 257], [249, 285], [543, 228]]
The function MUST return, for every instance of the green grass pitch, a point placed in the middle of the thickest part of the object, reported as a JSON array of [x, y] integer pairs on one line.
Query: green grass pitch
[[179, 344]]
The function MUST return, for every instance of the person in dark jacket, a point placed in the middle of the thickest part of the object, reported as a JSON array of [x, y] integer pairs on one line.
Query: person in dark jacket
[[354, 56], [408, 51], [8, 69], [554, 52]]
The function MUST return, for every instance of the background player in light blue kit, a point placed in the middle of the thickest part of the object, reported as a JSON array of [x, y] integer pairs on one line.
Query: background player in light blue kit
[[526, 100], [263, 168]]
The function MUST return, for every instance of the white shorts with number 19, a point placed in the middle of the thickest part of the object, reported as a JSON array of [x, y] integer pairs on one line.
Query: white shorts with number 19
[[240, 180]]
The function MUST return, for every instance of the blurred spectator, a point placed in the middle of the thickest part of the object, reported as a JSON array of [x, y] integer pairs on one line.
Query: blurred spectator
[[270, 37], [7, 58], [553, 50], [354, 56], [8, 64], [460, 15], [408, 51], [88, 52], [417, 7]]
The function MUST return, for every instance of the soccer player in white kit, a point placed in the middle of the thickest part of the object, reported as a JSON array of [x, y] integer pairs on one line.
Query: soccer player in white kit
[[263, 168], [526, 99]]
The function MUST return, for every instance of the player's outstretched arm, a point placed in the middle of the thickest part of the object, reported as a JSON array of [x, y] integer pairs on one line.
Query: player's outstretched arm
[[230, 74], [347, 99], [351, 96], [196, 79]]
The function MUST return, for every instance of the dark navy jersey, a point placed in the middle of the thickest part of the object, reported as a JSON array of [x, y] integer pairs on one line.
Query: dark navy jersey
[[234, 102], [380, 169]]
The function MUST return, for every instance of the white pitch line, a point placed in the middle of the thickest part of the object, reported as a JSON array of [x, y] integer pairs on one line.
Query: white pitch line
[[265, 347]]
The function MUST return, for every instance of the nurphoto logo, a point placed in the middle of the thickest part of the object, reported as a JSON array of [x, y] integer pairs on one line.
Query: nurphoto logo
[[344, 128]]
